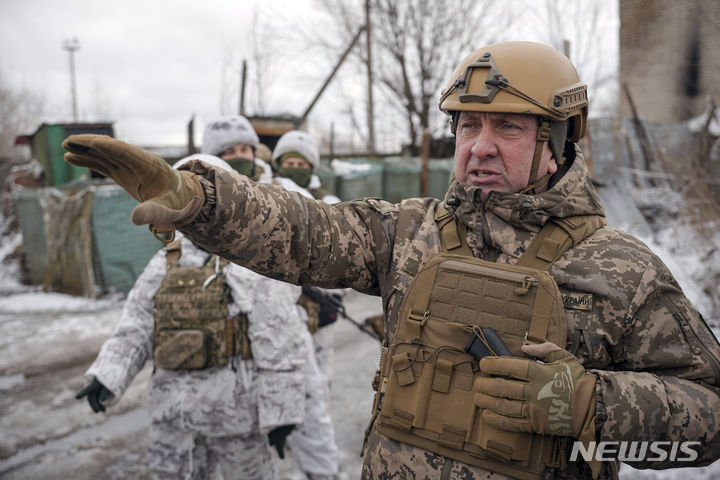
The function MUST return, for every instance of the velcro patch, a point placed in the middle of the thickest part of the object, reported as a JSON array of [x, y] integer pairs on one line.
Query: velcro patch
[[577, 301], [411, 266]]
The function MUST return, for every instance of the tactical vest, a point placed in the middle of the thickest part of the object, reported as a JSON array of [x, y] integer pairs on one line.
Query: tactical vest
[[426, 388], [192, 327]]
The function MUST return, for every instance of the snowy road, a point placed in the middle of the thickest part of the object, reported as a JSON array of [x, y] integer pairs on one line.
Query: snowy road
[[48, 340]]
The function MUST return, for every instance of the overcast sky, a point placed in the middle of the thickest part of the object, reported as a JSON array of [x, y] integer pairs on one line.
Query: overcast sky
[[149, 65]]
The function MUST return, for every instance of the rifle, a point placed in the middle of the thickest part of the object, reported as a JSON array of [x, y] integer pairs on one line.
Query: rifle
[[332, 304]]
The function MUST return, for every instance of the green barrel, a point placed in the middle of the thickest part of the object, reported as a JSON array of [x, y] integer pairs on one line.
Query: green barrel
[[439, 177], [401, 178], [29, 213], [327, 179], [366, 180]]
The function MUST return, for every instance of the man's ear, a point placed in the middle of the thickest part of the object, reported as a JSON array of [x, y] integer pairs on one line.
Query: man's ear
[[552, 166]]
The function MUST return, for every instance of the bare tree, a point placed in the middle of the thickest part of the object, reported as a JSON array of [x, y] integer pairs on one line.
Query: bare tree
[[416, 44], [586, 29], [20, 112]]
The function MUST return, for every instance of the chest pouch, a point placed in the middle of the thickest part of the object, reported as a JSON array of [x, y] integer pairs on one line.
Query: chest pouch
[[193, 329], [427, 392]]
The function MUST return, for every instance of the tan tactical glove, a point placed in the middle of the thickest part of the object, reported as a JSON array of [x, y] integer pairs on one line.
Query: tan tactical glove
[[169, 198], [552, 398]]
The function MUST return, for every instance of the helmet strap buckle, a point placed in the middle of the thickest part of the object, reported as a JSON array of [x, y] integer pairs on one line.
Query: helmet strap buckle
[[542, 137]]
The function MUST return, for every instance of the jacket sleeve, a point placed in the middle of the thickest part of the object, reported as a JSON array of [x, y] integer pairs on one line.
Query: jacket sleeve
[[287, 236], [666, 388], [124, 354]]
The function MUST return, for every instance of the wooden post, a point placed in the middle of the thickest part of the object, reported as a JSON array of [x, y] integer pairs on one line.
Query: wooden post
[[370, 108], [191, 135], [300, 120], [241, 107], [424, 161], [645, 146]]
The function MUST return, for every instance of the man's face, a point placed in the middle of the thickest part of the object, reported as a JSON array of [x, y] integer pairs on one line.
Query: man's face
[[295, 162], [495, 150], [241, 150]]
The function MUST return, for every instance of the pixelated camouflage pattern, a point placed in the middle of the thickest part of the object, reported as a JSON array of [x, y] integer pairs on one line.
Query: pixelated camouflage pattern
[[192, 301], [656, 360], [312, 444], [174, 453], [244, 399]]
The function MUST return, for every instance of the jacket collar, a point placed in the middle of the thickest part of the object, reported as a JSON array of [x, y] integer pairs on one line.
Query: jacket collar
[[491, 220]]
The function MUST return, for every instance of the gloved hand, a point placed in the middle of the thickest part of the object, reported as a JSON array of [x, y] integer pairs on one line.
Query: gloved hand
[[552, 398], [277, 437], [170, 198], [96, 393]]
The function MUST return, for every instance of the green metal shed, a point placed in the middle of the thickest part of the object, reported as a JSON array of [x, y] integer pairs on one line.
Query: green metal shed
[[46, 147]]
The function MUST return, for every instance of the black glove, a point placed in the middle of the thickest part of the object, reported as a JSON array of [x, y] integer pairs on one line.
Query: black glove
[[96, 393], [277, 437], [329, 309]]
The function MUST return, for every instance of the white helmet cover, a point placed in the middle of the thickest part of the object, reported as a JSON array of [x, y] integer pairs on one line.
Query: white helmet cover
[[300, 142], [210, 159], [225, 132]]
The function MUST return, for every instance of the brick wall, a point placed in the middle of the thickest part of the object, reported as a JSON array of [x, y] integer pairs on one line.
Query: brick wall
[[669, 57]]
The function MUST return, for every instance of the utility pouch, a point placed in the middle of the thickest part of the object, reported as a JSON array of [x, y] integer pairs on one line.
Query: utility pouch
[[180, 349]]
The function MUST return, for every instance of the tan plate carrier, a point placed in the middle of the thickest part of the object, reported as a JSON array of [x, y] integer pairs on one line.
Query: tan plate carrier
[[427, 389], [192, 327]]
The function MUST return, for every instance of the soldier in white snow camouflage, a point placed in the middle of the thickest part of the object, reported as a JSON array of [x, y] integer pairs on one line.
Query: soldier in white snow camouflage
[[312, 443], [220, 414], [624, 354], [295, 159]]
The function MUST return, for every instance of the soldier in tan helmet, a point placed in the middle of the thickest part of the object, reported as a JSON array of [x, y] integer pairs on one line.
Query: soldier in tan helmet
[[520, 326]]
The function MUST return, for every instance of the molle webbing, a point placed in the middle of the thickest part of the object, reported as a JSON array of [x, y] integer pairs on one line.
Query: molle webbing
[[555, 238], [426, 396], [192, 327]]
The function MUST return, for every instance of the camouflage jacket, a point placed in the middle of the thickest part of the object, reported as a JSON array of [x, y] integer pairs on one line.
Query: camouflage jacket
[[657, 362], [264, 392]]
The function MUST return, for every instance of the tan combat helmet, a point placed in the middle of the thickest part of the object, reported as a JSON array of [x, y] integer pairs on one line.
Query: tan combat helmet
[[522, 77]]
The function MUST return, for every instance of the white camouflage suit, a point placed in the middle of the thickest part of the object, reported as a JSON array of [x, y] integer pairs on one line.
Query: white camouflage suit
[[313, 444], [216, 416]]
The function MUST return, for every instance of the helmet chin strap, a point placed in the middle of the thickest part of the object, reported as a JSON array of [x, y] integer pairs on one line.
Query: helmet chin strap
[[541, 138]]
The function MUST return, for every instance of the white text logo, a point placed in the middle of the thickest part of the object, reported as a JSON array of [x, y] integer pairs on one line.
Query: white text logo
[[626, 451]]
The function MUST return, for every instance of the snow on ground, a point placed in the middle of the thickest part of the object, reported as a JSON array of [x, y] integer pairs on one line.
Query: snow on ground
[[47, 341]]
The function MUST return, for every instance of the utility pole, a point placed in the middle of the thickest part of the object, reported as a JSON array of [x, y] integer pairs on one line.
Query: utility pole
[[72, 45], [370, 108]]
